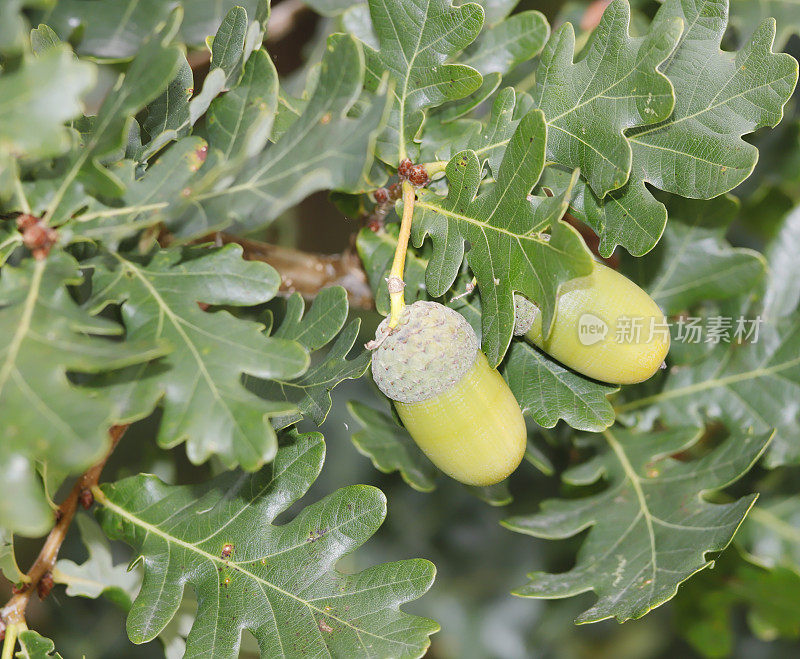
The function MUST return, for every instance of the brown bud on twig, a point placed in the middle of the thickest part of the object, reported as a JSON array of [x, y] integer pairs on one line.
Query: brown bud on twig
[[36, 236], [404, 169], [45, 585], [86, 499], [418, 176]]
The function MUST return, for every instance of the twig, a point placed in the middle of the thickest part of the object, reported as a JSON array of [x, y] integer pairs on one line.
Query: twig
[[39, 576], [308, 273]]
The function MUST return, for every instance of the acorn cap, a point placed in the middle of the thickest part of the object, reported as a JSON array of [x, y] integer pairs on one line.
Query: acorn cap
[[524, 314], [429, 351]]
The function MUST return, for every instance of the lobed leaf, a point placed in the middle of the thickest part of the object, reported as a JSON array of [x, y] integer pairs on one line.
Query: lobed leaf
[[650, 528], [507, 250], [35, 646], [615, 85], [419, 66], [97, 575], [199, 384], [547, 391], [390, 447], [310, 393], [44, 335], [698, 152], [323, 149], [694, 262], [279, 582]]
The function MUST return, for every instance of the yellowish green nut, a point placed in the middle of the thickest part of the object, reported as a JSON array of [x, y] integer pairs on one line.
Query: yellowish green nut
[[457, 408], [605, 327]]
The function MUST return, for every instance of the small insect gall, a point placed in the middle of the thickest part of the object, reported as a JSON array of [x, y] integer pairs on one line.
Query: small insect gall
[[227, 550]]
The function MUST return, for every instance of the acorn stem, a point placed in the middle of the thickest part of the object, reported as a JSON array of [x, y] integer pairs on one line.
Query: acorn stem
[[396, 294]]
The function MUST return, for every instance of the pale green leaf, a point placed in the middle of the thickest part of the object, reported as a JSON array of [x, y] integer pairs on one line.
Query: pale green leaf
[[698, 151], [97, 575], [502, 48], [547, 391], [694, 262], [613, 86], [34, 646], [322, 149], [239, 122]]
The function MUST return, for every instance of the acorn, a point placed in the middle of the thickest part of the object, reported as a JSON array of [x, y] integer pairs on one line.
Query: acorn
[[456, 407], [605, 327]]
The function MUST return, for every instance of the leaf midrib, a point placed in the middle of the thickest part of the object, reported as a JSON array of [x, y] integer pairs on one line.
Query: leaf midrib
[[167, 537], [24, 323]]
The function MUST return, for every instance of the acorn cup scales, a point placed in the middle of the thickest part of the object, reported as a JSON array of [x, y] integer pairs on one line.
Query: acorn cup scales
[[456, 407]]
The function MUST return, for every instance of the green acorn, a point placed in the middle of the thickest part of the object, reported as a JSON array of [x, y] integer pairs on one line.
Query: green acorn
[[458, 409], [605, 327]]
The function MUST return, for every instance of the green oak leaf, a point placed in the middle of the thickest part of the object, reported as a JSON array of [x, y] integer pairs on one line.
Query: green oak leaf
[[547, 391], [97, 575], [494, 10], [35, 646], [694, 262], [239, 122], [322, 149], [390, 447], [148, 74], [490, 139], [323, 324], [423, 78], [45, 336], [650, 528], [177, 109], [199, 384], [117, 30], [149, 200], [279, 581], [43, 38], [698, 151], [457, 109], [38, 98], [501, 48], [110, 30], [615, 85], [751, 379], [752, 383], [507, 251]]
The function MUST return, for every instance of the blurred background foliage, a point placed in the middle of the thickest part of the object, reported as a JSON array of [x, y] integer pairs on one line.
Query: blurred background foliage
[[738, 609]]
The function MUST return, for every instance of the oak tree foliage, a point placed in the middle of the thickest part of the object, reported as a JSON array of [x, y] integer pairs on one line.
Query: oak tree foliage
[[136, 138]]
